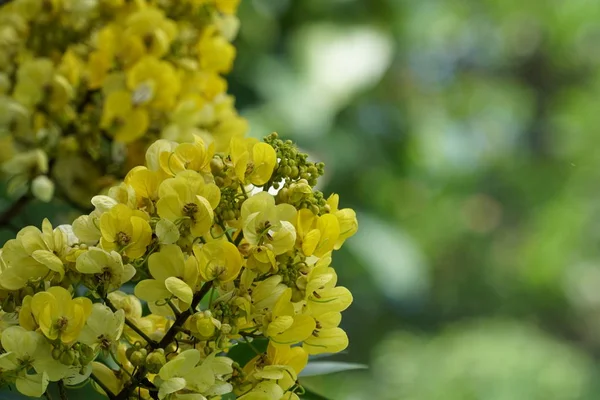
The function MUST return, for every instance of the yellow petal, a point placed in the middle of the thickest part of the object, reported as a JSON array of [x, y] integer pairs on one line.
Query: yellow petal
[[151, 290], [331, 340], [265, 159], [179, 289]]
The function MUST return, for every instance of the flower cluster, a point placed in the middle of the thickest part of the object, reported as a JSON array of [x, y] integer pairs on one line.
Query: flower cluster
[[200, 251], [86, 86]]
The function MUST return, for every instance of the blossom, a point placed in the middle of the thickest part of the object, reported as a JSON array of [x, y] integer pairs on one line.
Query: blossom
[[181, 202], [174, 276], [268, 227], [58, 315], [218, 260], [253, 161], [187, 372], [125, 230], [103, 328], [25, 350], [106, 267]]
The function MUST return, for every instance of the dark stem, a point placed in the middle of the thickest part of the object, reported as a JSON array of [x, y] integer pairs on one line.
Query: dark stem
[[181, 318], [62, 391], [140, 375], [130, 324]]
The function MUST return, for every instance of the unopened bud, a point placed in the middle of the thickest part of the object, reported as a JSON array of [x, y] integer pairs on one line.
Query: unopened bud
[[68, 357], [42, 188], [155, 361], [137, 358]]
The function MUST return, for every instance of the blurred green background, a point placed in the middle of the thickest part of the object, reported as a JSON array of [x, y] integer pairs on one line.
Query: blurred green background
[[464, 134]]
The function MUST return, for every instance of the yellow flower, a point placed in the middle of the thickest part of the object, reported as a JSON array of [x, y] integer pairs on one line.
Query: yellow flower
[[103, 328], [26, 319], [187, 372], [317, 234], [215, 52], [126, 231], [265, 390], [71, 67], [174, 277], [152, 30], [107, 268], [218, 260], [285, 327], [227, 6], [346, 218], [130, 304], [32, 255], [122, 118], [25, 349], [268, 227], [180, 201], [32, 77], [281, 364], [253, 161], [153, 83], [324, 302], [145, 182], [321, 293], [58, 315], [266, 292]]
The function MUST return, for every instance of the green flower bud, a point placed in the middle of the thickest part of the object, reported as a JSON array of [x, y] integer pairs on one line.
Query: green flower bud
[[42, 188], [155, 361], [68, 357], [137, 358]]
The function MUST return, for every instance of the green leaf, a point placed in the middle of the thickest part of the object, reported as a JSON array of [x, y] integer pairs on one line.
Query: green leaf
[[244, 352], [314, 368], [310, 395], [313, 357]]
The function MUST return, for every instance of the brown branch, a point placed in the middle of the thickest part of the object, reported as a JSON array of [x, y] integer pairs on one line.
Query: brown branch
[[180, 320], [140, 375]]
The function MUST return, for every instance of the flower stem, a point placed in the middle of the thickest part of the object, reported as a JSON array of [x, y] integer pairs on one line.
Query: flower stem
[[140, 375], [129, 323]]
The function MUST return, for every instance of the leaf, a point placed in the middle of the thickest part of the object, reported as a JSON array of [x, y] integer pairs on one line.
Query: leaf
[[314, 368], [313, 357], [242, 352], [310, 395]]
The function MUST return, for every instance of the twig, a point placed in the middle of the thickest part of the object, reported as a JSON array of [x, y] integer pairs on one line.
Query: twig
[[140, 375], [181, 318], [62, 391], [129, 323]]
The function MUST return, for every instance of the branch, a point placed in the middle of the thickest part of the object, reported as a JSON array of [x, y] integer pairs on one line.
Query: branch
[[181, 318], [133, 326], [62, 390], [140, 375]]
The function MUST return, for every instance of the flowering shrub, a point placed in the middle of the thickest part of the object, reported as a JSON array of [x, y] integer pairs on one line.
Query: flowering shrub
[[87, 85], [217, 243], [217, 258]]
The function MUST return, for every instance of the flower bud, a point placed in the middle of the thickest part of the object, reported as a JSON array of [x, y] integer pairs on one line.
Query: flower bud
[[68, 357], [138, 358], [42, 188], [155, 361]]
